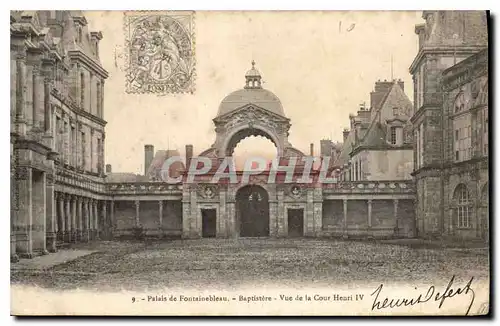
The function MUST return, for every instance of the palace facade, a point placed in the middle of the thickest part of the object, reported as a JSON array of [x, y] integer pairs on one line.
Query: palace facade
[[404, 170], [57, 132], [450, 125]]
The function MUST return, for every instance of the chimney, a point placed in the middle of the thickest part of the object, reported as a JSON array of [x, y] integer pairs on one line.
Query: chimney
[[311, 149], [401, 84], [189, 155], [148, 157], [381, 88], [345, 133], [108, 168], [325, 147], [352, 119]]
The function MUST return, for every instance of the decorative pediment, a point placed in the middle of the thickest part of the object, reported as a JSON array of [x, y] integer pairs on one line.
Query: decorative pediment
[[252, 115], [396, 122]]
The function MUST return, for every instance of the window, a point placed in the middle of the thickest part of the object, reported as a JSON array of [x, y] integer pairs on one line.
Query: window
[[394, 136], [462, 138], [395, 111], [464, 207]]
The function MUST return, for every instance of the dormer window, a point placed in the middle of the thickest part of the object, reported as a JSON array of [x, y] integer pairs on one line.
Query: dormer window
[[395, 111]]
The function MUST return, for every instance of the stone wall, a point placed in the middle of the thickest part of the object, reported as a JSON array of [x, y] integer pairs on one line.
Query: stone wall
[[124, 214]]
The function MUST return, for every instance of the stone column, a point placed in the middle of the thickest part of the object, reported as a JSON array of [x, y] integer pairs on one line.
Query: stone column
[[50, 227], [102, 104], [113, 220], [396, 218], [273, 212], [231, 214], [318, 219], [160, 216], [47, 107], [105, 221], [309, 214], [281, 216], [96, 219], [369, 213], [38, 99], [67, 207], [194, 225], [62, 218], [137, 214], [74, 226], [85, 220], [24, 220], [90, 223], [39, 202], [222, 216], [21, 93], [345, 218], [14, 206], [186, 212], [79, 222]]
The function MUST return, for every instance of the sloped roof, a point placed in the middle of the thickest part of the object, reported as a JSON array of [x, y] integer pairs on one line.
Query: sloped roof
[[346, 150], [375, 136], [156, 168], [394, 98]]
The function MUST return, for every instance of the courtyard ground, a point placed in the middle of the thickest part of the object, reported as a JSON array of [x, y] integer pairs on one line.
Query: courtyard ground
[[229, 263]]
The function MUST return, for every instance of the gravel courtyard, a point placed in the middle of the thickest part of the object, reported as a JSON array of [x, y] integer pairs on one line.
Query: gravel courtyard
[[113, 266]]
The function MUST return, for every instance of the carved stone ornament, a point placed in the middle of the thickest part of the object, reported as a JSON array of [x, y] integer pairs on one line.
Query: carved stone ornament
[[296, 191], [207, 191]]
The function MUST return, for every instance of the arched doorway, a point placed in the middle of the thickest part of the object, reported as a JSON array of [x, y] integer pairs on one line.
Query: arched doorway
[[252, 211]]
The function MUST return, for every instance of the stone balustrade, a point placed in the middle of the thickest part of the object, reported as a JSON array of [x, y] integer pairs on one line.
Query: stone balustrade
[[143, 188], [370, 187]]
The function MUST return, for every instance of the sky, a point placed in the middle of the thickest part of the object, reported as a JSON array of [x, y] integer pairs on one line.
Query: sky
[[319, 70]]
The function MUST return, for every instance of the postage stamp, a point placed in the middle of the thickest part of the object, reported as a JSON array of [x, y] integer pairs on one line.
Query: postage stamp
[[160, 52]]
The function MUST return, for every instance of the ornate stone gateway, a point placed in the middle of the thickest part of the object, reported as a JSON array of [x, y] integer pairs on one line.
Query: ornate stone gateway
[[252, 211], [255, 207]]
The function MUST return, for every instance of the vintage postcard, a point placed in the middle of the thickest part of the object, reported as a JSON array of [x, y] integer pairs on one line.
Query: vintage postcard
[[318, 163]]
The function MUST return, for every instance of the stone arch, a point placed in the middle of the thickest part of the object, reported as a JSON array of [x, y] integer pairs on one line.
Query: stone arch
[[238, 134]]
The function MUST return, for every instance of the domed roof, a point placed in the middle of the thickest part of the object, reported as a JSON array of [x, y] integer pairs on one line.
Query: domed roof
[[252, 93], [258, 96]]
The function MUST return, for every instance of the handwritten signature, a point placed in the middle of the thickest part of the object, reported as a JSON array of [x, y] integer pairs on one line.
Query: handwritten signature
[[431, 293]]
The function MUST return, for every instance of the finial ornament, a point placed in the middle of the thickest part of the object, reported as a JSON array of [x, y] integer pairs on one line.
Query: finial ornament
[[253, 64]]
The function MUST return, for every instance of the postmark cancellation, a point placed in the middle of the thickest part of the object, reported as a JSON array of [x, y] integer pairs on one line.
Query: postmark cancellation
[[159, 52]]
